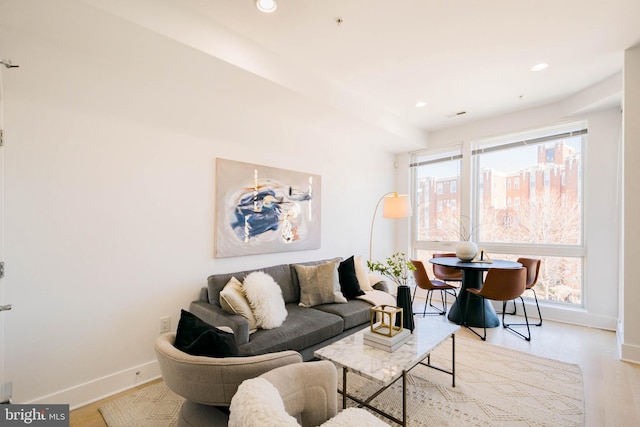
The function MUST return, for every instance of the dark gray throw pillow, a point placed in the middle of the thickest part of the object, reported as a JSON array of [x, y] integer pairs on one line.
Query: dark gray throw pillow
[[198, 338], [349, 284]]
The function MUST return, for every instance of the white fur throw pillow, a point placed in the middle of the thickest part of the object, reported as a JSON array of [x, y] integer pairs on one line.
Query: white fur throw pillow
[[257, 403], [233, 301], [265, 298]]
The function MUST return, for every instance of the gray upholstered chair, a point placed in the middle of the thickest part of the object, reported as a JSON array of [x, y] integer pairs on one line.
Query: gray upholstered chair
[[209, 383], [299, 394]]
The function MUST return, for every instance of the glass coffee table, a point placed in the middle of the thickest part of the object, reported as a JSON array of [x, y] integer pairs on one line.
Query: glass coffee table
[[385, 368]]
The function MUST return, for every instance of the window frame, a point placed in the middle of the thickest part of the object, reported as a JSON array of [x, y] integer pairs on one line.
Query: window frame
[[470, 192]]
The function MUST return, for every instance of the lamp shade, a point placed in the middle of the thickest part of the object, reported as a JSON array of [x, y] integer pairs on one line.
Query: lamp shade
[[396, 206]]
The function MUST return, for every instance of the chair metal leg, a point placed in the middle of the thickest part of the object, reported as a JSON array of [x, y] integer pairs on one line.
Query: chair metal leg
[[538, 306], [526, 319], [429, 301], [484, 321], [504, 307]]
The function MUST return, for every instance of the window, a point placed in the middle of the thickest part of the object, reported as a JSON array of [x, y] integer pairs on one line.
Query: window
[[543, 219], [434, 220], [550, 155], [548, 220]]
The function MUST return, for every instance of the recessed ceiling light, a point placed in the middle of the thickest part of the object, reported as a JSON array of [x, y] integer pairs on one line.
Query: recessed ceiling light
[[421, 104], [266, 6], [539, 67]]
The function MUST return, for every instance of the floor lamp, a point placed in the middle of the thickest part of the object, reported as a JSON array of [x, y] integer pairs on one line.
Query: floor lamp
[[396, 206]]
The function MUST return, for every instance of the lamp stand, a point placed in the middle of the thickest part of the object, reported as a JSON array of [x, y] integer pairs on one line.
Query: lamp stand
[[374, 220]]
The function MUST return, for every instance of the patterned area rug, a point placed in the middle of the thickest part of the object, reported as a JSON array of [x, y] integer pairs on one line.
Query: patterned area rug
[[494, 387], [152, 406]]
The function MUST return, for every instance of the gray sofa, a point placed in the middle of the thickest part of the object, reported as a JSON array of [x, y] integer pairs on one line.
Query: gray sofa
[[304, 330]]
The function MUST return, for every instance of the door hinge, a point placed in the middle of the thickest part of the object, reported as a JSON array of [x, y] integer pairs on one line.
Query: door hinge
[[1, 138], [2, 270]]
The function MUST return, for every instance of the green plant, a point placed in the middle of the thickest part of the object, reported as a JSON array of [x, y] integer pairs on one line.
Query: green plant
[[397, 268]]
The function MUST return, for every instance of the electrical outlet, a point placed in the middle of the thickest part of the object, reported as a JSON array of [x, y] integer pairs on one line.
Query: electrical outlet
[[165, 324]]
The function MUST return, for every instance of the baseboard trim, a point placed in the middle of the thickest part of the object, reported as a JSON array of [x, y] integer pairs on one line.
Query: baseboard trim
[[630, 353], [101, 388]]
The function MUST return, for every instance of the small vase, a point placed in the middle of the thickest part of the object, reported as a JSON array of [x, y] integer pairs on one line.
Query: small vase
[[466, 250]]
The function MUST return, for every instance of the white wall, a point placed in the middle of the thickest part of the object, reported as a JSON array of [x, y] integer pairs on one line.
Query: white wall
[[111, 138], [629, 334], [601, 201]]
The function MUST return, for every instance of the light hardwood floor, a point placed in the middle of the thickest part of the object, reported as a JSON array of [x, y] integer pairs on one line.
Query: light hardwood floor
[[611, 387]]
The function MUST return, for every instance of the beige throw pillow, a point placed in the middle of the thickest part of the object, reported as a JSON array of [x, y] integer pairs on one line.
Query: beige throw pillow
[[233, 301], [319, 284], [362, 273]]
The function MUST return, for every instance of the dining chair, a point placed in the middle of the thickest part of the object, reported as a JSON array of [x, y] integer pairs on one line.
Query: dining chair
[[423, 282], [444, 273], [501, 284], [533, 268]]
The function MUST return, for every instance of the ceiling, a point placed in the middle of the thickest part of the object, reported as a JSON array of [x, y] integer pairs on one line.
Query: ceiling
[[471, 56]]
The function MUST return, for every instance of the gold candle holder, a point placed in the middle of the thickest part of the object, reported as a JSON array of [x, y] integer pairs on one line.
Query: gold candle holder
[[387, 314]]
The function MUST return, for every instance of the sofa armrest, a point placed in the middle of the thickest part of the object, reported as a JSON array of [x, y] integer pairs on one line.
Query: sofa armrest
[[216, 316], [212, 380], [380, 283], [308, 390]]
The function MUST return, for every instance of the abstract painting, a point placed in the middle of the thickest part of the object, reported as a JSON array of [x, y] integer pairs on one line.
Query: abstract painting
[[261, 209]]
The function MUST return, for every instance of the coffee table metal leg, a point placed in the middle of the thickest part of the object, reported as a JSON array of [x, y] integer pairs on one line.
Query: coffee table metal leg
[[404, 398], [344, 388], [453, 359], [452, 372]]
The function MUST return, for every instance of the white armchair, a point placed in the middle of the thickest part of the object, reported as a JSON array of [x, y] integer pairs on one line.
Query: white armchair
[[300, 394]]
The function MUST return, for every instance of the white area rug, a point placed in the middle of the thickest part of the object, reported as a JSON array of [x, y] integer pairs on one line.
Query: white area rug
[[152, 406], [494, 387]]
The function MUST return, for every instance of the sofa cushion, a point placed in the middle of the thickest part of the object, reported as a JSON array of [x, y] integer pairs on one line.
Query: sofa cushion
[[357, 312], [265, 298], [281, 274], [319, 284], [303, 328], [198, 338], [234, 301], [294, 275], [348, 279]]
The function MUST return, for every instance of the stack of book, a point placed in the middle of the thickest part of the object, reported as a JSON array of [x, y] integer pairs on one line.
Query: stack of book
[[385, 342]]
